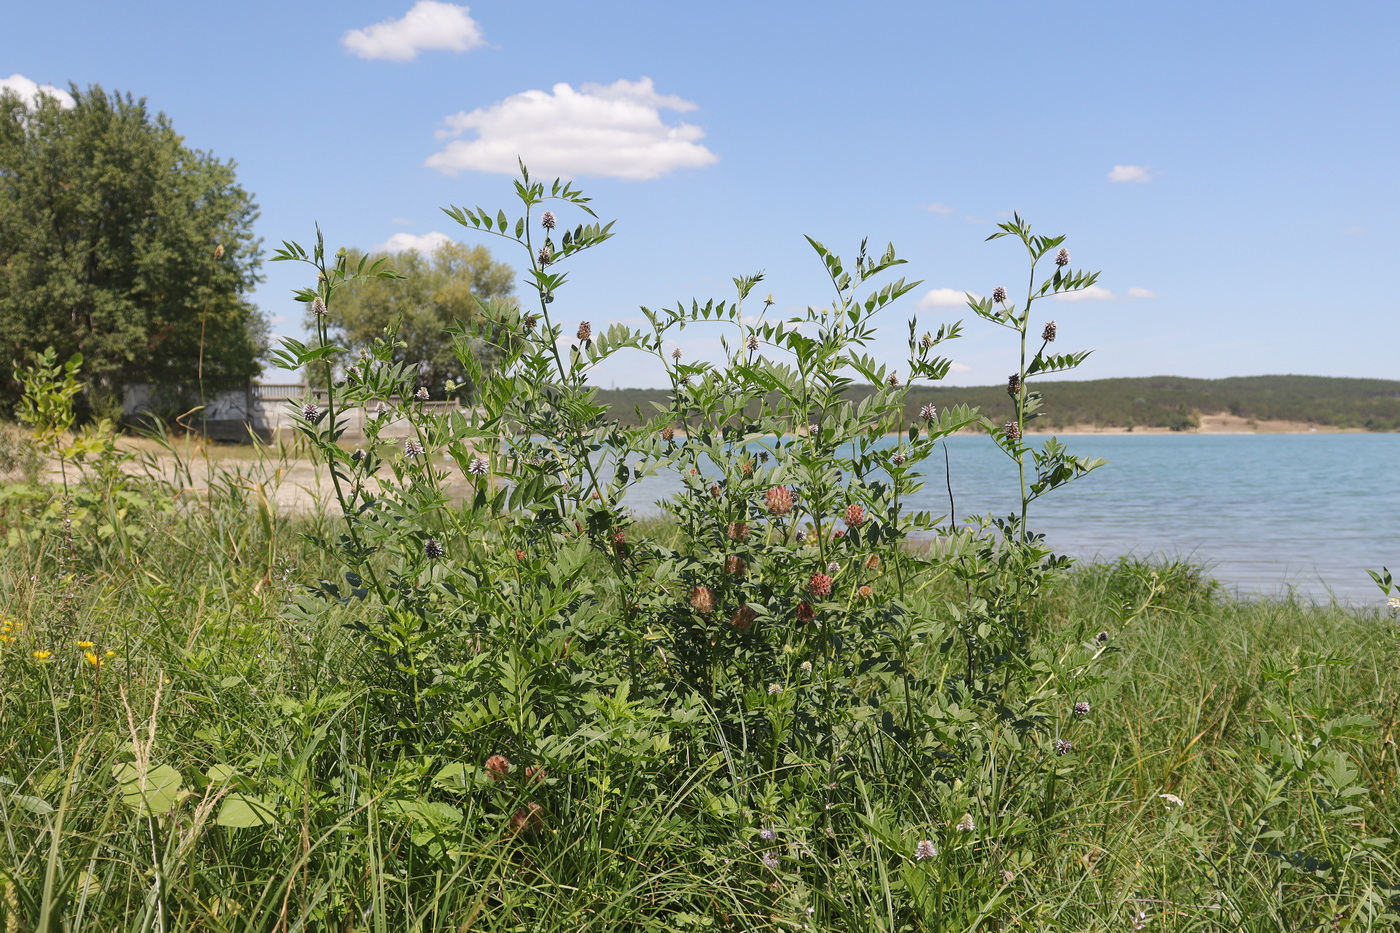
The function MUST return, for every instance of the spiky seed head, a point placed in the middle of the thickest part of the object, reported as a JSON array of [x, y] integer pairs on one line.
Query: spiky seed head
[[753, 341], [535, 774], [925, 849], [676, 354], [432, 549], [833, 568], [734, 564], [770, 859], [498, 767], [872, 562], [412, 448], [800, 537], [547, 220], [926, 341], [746, 467], [1048, 335], [820, 584], [311, 412], [702, 598], [421, 394], [763, 456], [898, 459], [928, 413], [1063, 746], [530, 322], [893, 380], [967, 824], [778, 500], [528, 819], [1013, 431], [1013, 385], [478, 466], [715, 491], [1062, 258], [999, 294], [865, 592], [814, 429], [805, 613], [1081, 708], [545, 256], [742, 619], [318, 307], [585, 331], [855, 515], [738, 531], [667, 433]]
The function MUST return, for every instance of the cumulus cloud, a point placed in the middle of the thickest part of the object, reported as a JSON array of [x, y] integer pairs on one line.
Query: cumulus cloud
[[1137, 292], [942, 210], [944, 298], [1092, 293], [1131, 173], [614, 130], [408, 242], [29, 91], [428, 25]]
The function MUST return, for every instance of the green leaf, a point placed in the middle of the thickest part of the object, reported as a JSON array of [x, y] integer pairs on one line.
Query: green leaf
[[244, 811], [154, 793]]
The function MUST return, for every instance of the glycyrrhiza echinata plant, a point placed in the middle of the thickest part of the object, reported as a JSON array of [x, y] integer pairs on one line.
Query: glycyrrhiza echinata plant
[[774, 657]]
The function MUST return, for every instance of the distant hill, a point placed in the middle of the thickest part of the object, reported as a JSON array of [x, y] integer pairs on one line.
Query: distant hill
[[1155, 401]]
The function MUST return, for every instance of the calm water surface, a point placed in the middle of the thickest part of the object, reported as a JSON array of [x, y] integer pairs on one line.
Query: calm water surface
[[1264, 512]]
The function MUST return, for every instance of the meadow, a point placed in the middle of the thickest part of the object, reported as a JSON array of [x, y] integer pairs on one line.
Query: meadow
[[513, 705]]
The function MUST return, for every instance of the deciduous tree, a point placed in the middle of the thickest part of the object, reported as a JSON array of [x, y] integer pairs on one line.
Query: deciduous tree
[[119, 242]]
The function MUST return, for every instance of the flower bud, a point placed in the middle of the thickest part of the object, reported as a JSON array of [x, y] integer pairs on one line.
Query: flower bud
[[999, 294]]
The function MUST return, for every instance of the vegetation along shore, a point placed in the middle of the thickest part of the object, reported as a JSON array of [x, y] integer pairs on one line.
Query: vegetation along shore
[[479, 694]]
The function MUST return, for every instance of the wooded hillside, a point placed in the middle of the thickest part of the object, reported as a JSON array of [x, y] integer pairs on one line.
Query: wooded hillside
[[1155, 401]]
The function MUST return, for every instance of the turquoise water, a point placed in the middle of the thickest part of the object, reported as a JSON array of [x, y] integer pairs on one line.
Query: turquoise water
[[1265, 513]]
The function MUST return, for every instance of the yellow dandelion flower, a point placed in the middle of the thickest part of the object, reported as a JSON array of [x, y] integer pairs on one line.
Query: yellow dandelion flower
[[92, 659], [7, 638], [84, 644], [42, 655]]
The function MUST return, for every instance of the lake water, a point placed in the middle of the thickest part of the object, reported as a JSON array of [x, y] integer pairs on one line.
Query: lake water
[[1264, 513]]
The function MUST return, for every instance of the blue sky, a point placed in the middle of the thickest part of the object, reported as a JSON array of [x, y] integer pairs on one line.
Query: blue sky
[[1230, 168]]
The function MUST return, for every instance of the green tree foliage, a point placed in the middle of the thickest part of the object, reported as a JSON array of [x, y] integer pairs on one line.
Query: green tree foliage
[[1155, 401], [441, 291], [119, 242]]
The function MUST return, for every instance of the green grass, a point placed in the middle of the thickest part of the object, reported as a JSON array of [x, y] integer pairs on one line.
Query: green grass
[[650, 818]]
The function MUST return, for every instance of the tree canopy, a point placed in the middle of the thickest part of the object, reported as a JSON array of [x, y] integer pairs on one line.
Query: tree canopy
[[119, 242], [438, 290]]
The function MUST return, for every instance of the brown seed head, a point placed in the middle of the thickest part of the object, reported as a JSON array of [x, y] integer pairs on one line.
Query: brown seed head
[[742, 620], [547, 220], [735, 564], [702, 598], [738, 531], [535, 774], [805, 612], [872, 562], [667, 433], [820, 584], [855, 515], [865, 592], [778, 499], [498, 767], [715, 491], [1048, 335], [528, 819], [585, 331]]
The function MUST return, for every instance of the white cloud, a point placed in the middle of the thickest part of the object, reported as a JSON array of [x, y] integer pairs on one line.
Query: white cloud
[[942, 210], [614, 130], [959, 367], [29, 91], [943, 298], [428, 25], [408, 242], [1131, 173], [1136, 292], [1092, 293]]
